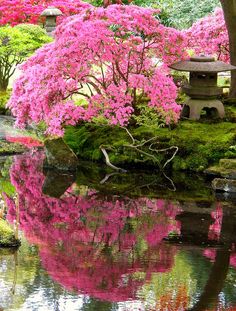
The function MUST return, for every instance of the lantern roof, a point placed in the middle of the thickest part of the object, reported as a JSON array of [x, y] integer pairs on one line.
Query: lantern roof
[[202, 64], [51, 11]]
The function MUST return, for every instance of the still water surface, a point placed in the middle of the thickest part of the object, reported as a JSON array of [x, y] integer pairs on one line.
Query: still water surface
[[101, 241]]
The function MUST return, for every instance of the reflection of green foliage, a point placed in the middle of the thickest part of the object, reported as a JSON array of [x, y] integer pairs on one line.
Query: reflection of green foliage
[[5, 184], [20, 270], [142, 183], [6, 187], [7, 236], [93, 304], [229, 286], [162, 283]]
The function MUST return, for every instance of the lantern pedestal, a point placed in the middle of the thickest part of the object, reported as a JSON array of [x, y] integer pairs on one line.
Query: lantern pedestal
[[193, 107]]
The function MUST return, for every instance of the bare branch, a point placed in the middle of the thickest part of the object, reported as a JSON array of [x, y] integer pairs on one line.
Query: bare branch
[[169, 160], [128, 132], [108, 163]]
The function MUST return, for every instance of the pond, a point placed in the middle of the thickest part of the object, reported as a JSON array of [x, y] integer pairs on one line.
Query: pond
[[98, 240]]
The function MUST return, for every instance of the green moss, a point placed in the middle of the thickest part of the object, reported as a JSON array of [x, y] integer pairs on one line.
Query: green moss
[[200, 144], [7, 236], [230, 113]]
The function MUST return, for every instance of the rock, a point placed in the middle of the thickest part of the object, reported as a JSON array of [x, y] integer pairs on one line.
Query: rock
[[223, 184], [225, 169], [228, 164], [7, 236], [226, 196], [57, 182], [59, 155]]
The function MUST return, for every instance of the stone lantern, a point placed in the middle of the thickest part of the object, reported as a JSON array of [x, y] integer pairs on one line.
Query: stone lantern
[[202, 87], [51, 14]]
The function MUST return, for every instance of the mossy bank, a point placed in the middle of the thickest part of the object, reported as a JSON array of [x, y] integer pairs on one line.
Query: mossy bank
[[199, 144]]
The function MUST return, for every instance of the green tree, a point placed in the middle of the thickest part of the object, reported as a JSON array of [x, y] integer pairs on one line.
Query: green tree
[[180, 13], [16, 44]]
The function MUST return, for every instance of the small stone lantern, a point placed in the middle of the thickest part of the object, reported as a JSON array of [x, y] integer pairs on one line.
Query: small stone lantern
[[51, 14], [202, 88]]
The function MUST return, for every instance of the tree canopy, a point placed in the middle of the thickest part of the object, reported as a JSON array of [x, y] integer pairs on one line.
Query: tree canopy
[[15, 45], [15, 12], [103, 64]]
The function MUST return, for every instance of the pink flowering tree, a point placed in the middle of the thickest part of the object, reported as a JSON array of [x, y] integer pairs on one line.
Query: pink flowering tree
[[103, 64], [15, 12], [215, 34], [209, 36]]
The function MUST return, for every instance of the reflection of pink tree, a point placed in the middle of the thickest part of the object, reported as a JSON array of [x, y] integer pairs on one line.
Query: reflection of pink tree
[[215, 228], [222, 230], [214, 234], [93, 244]]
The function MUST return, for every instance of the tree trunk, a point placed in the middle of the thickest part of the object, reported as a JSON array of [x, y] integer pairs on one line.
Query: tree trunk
[[3, 85], [229, 8]]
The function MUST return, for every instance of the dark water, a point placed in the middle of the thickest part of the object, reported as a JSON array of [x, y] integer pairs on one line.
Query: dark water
[[103, 241]]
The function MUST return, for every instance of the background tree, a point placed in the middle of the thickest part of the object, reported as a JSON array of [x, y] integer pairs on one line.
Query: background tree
[[229, 8], [209, 36], [14, 12], [174, 13], [16, 44]]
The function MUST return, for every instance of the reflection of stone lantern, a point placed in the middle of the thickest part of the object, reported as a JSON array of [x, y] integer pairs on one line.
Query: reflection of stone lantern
[[202, 88], [51, 14]]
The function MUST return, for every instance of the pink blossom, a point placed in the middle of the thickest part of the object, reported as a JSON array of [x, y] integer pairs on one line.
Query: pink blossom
[[102, 64], [209, 36]]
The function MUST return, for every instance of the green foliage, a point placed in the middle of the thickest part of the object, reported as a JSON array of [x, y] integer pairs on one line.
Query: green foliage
[[180, 13], [37, 37], [17, 43], [184, 13], [148, 116]]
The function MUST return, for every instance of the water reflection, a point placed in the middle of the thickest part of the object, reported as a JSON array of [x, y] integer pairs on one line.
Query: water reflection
[[121, 249]]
